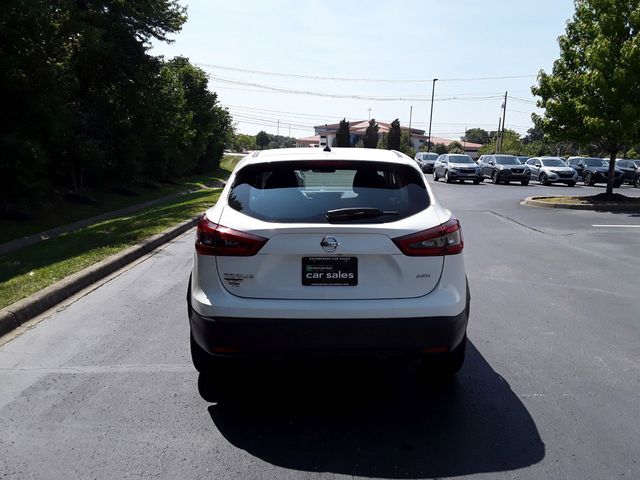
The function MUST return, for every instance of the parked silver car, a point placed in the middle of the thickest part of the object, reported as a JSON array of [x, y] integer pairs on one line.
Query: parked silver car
[[549, 170], [456, 166]]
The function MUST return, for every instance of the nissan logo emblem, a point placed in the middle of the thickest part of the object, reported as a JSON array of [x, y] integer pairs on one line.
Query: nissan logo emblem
[[329, 244]]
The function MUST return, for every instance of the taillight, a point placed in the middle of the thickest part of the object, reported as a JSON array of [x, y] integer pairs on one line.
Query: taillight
[[445, 239], [214, 239]]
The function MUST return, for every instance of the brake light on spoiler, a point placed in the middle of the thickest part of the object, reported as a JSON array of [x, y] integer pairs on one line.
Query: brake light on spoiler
[[445, 239], [214, 239]]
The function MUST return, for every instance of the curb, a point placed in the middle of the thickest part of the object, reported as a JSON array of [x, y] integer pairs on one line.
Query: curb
[[611, 207], [18, 243], [16, 314]]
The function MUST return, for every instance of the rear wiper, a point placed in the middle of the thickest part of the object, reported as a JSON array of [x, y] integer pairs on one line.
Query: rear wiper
[[358, 213]]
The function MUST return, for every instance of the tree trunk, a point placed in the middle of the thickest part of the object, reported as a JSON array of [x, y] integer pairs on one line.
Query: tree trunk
[[612, 169]]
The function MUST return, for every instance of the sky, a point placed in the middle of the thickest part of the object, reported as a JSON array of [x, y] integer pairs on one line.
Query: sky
[[324, 53]]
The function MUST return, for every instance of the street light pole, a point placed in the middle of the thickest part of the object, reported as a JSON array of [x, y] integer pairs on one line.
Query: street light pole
[[433, 89]]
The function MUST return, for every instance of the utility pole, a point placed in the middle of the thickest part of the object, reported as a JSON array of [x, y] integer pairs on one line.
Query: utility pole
[[369, 113], [464, 140], [278, 128], [410, 115], [433, 88], [504, 116], [498, 134], [289, 131]]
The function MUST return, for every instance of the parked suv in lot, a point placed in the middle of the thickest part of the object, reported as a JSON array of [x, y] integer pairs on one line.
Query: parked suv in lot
[[549, 170], [503, 168], [594, 170], [630, 171], [456, 166], [426, 161], [340, 252]]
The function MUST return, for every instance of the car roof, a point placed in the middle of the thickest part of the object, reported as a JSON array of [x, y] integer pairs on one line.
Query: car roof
[[314, 153]]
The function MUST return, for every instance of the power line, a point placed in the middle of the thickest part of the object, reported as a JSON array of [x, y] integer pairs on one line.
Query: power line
[[357, 79], [273, 88], [242, 110]]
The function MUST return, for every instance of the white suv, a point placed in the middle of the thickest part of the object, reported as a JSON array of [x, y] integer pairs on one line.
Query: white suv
[[328, 252]]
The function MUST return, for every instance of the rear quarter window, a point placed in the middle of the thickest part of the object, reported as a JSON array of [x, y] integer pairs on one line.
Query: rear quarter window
[[303, 192]]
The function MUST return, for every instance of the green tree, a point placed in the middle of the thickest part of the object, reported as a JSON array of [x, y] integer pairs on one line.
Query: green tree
[[370, 137], [262, 139], [593, 92], [245, 142], [440, 148], [406, 146], [511, 144], [394, 135], [455, 147], [343, 134], [475, 135]]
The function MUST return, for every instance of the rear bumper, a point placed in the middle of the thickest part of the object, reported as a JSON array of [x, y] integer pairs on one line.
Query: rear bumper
[[247, 337], [427, 167], [603, 177], [514, 176], [465, 176]]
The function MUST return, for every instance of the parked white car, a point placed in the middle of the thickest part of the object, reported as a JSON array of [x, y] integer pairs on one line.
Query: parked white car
[[340, 252]]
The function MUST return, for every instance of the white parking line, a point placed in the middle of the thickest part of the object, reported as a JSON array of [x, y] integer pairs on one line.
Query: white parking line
[[617, 226]]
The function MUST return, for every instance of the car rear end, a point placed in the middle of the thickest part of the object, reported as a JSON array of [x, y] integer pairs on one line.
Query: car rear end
[[515, 173], [428, 161], [327, 253]]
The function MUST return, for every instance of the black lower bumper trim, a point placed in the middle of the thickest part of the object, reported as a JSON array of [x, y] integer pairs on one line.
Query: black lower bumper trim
[[229, 337]]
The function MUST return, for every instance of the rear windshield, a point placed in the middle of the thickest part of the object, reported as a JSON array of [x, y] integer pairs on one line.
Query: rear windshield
[[594, 162], [329, 192], [460, 159], [553, 162], [506, 160]]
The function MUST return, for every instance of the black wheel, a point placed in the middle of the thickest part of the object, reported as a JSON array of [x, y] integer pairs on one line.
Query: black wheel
[[435, 176], [494, 178], [524, 182], [542, 178], [571, 184], [588, 179], [447, 178], [617, 184], [445, 365], [476, 182], [636, 183]]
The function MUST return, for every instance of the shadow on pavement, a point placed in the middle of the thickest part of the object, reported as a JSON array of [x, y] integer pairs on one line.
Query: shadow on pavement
[[378, 419]]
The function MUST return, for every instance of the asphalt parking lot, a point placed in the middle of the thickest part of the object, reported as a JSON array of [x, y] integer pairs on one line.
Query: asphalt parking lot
[[104, 387]]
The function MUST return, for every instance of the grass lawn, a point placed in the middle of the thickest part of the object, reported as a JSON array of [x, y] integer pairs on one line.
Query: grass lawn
[[601, 199], [33, 268], [56, 211]]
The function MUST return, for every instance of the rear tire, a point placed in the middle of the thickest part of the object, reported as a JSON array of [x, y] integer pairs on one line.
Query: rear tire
[[446, 365], [447, 178], [636, 183], [435, 176], [588, 180], [494, 178], [524, 183], [571, 184], [543, 179], [476, 182], [617, 184]]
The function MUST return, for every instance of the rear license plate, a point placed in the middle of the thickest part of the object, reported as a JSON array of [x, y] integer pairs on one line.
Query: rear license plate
[[329, 271]]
